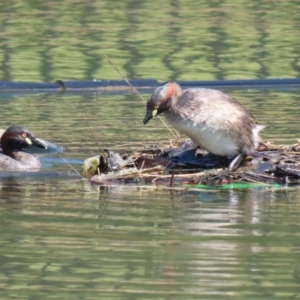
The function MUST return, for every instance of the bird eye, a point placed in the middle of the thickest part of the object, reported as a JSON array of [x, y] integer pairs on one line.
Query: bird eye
[[24, 135], [156, 106]]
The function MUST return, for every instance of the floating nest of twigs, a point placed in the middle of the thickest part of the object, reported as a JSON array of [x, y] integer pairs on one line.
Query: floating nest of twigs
[[187, 167]]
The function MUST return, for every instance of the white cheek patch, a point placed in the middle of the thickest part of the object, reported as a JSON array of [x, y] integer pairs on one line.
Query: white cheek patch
[[28, 141], [154, 112]]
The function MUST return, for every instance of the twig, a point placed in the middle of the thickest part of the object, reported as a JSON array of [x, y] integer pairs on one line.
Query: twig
[[128, 173], [137, 92], [141, 169], [90, 129], [170, 176]]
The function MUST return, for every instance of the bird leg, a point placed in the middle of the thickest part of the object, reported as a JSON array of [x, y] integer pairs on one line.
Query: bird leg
[[236, 162]]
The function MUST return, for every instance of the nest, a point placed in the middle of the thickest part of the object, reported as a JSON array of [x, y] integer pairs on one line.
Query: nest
[[183, 166]]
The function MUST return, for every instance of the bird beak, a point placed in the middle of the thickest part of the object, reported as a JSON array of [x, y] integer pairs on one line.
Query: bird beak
[[35, 142], [148, 117]]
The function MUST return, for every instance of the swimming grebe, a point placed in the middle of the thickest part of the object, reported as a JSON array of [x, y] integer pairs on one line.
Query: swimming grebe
[[13, 140], [213, 120]]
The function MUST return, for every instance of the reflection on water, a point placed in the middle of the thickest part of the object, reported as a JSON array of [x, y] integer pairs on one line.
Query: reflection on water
[[69, 238], [62, 238], [182, 39]]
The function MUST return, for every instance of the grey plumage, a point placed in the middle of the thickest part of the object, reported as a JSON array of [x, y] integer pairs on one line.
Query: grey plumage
[[212, 119]]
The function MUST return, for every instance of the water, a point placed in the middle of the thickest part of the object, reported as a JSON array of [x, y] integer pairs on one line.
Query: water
[[67, 239], [61, 237]]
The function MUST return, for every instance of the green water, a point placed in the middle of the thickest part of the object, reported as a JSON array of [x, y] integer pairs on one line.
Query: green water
[[68, 240], [178, 39], [61, 237]]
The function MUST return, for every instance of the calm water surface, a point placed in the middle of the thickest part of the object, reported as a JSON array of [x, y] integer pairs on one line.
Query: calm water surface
[[64, 238], [61, 237], [68, 239]]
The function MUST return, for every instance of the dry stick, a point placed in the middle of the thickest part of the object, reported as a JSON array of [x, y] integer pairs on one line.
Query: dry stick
[[83, 115], [137, 92], [130, 158], [141, 169], [170, 176], [90, 129]]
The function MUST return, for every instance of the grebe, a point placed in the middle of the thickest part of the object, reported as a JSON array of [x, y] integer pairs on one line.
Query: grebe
[[13, 140], [213, 120]]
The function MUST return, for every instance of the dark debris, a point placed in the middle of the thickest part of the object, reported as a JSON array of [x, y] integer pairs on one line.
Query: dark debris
[[170, 166]]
